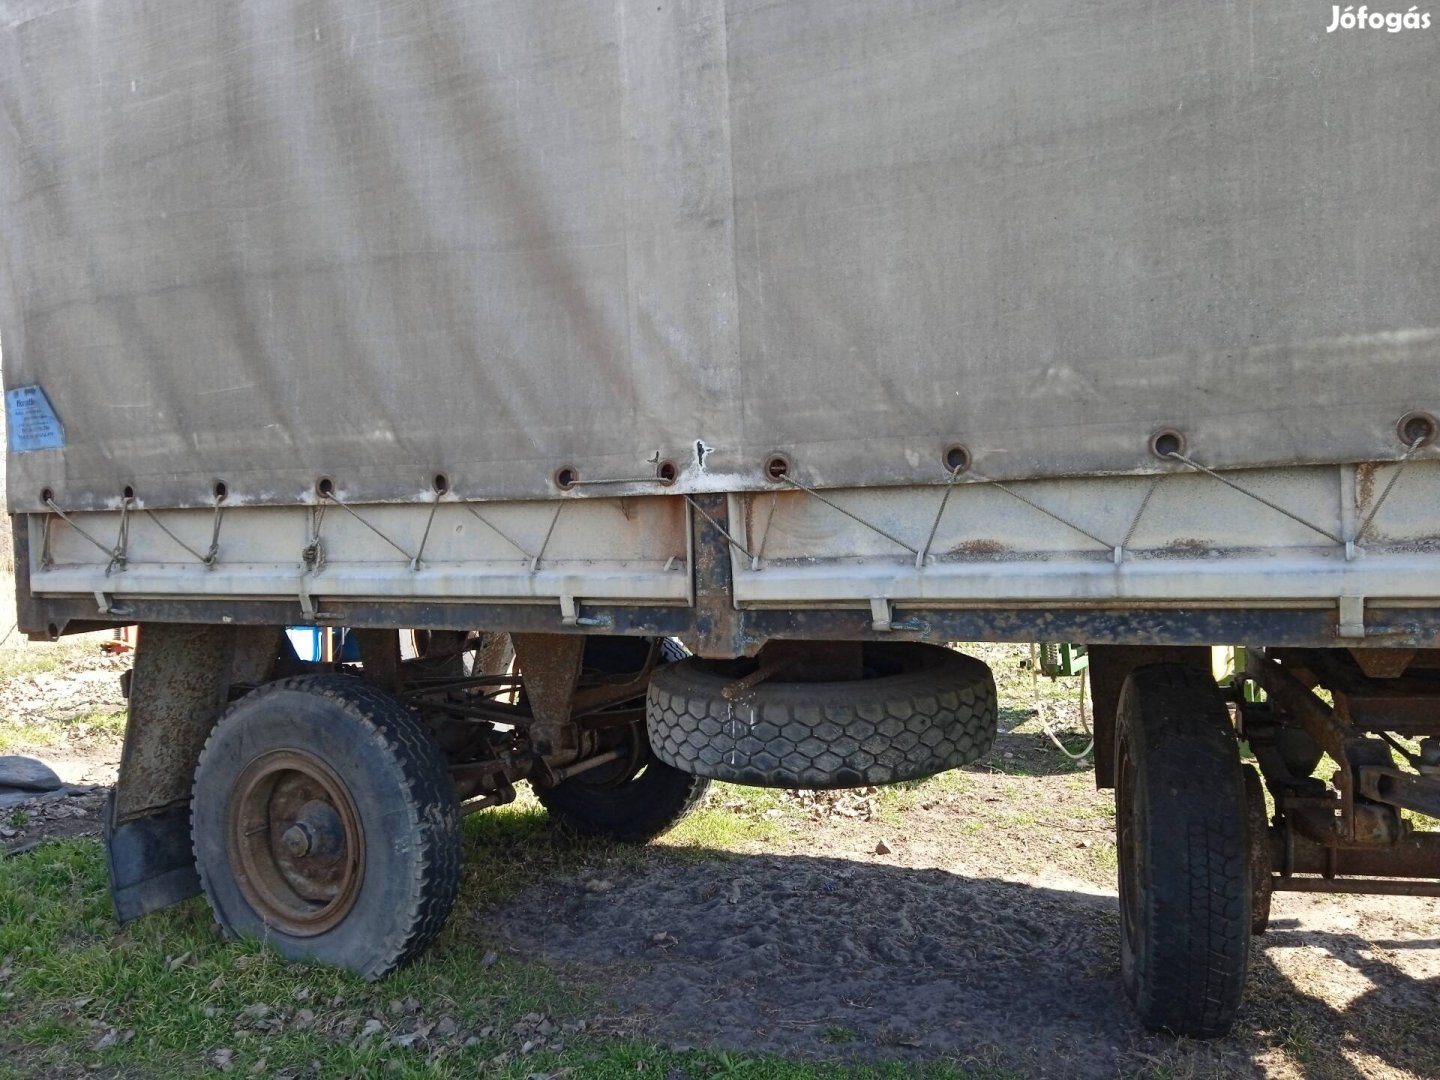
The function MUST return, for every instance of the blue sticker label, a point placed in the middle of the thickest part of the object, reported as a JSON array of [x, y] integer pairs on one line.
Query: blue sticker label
[[31, 421]]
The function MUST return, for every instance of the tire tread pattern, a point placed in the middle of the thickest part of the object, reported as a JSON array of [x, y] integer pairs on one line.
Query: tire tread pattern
[[426, 791], [1191, 961], [826, 735]]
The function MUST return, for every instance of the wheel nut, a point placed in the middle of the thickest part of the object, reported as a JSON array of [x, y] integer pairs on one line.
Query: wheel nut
[[296, 841]]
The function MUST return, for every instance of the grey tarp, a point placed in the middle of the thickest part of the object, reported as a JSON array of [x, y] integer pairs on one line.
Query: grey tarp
[[266, 240]]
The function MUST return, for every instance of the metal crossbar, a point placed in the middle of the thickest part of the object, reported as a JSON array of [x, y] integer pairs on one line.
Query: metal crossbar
[[719, 528], [313, 553]]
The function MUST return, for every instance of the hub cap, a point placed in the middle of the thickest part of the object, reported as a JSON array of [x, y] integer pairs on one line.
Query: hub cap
[[294, 842]]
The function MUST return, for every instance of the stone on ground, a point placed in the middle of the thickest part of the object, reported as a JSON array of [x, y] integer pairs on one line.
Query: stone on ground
[[27, 774]]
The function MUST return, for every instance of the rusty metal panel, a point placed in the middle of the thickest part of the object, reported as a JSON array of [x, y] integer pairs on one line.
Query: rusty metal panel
[[520, 245]]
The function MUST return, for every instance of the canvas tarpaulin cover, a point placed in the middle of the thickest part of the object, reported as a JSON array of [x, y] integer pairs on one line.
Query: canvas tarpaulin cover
[[267, 241]]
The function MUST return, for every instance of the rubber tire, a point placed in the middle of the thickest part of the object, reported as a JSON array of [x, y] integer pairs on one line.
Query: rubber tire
[[1262, 875], [938, 713], [1184, 853], [402, 791], [650, 804]]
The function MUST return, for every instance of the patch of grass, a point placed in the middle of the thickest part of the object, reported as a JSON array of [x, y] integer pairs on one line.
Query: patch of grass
[[1095, 811], [709, 829], [17, 662], [16, 735], [1104, 856], [43, 658], [108, 724], [163, 996], [1300, 1041]]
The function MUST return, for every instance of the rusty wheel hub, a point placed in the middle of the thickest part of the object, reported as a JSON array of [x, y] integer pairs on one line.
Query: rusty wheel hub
[[295, 844]]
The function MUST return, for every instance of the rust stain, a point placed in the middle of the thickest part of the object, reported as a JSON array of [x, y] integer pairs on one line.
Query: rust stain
[[979, 547], [1365, 483]]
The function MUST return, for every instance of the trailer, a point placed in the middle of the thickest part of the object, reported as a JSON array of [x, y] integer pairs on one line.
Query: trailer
[[814, 336]]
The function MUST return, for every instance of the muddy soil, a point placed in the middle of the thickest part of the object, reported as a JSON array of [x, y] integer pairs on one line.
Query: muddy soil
[[986, 931], [49, 708], [972, 918], [868, 958]]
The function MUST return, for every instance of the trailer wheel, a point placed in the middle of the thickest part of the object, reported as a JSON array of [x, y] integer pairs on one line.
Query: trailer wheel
[[920, 710], [623, 803], [324, 823], [1183, 838], [637, 798], [1262, 874]]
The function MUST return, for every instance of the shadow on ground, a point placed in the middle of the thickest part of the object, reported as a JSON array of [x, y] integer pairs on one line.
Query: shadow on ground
[[826, 958], [1033, 754]]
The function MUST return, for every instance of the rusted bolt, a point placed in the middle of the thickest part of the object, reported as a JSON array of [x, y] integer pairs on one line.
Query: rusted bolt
[[1167, 443], [1416, 427], [956, 458], [777, 468]]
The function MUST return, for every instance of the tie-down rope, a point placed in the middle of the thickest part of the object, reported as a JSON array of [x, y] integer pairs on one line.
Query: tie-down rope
[[313, 556], [922, 554], [209, 559], [413, 559]]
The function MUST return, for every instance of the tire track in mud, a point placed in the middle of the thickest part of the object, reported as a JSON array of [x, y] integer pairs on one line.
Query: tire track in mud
[[822, 957]]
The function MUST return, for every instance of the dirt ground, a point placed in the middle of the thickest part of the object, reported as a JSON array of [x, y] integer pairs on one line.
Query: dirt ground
[[989, 930], [824, 950], [972, 917], [67, 717]]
